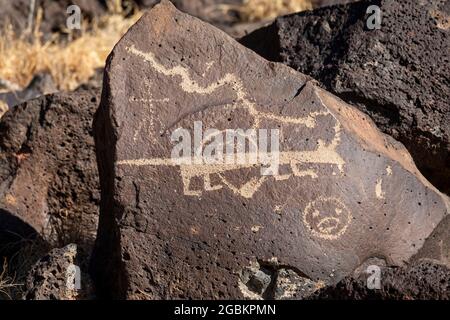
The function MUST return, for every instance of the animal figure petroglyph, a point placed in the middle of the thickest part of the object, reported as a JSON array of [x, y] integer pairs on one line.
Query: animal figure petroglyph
[[323, 154]]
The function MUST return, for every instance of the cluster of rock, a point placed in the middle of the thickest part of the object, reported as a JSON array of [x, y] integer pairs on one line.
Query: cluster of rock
[[347, 196]]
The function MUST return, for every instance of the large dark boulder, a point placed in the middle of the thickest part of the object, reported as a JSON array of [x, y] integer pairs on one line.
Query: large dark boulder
[[48, 172], [422, 280], [344, 192], [399, 74]]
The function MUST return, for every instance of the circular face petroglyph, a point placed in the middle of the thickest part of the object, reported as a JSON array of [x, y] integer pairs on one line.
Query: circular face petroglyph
[[327, 218]]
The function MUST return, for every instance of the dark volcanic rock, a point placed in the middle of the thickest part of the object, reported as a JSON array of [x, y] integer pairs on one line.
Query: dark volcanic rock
[[48, 172], [40, 85], [58, 276], [224, 14], [273, 281], [399, 75], [437, 246], [424, 280], [345, 192]]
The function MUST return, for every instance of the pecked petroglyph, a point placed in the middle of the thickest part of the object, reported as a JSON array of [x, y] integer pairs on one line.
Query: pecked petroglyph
[[389, 170], [323, 154], [379, 189], [189, 85], [327, 218], [321, 226]]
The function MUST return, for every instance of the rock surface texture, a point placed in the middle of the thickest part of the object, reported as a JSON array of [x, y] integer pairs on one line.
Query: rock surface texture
[[40, 85], [58, 276], [422, 280], [399, 74], [48, 172], [344, 193]]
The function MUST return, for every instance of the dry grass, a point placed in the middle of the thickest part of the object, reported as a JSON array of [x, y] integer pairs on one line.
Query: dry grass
[[262, 10], [3, 108], [70, 62], [15, 270], [7, 282], [74, 62]]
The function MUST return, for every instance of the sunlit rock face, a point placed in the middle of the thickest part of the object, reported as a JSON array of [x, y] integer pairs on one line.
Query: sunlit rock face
[[341, 193]]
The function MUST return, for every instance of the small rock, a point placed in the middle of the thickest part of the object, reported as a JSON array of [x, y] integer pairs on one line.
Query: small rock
[[291, 286], [254, 281], [57, 276]]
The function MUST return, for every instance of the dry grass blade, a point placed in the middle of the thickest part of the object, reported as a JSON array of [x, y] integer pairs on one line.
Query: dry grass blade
[[3, 108], [264, 10], [7, 283]]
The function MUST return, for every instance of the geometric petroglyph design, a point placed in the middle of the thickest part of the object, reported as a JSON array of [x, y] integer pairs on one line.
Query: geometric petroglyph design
[[327, 218], [325, 153]]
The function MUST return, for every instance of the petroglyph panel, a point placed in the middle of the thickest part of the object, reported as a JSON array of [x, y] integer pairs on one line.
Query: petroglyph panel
[[323, 154], [187, 229]]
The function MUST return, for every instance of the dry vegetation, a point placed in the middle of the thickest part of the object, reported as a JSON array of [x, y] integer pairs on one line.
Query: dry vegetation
[[3, 108], [13, 272], [262, 10], [69, 62], [73, 62], [7, 282]]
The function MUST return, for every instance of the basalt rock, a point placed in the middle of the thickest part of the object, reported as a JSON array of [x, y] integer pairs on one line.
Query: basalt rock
[[272, 281], [437, 246], [344, 192], [58, 276], [40, 85], [422, 280], [398, 74], [224, 14], [48, 172]]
